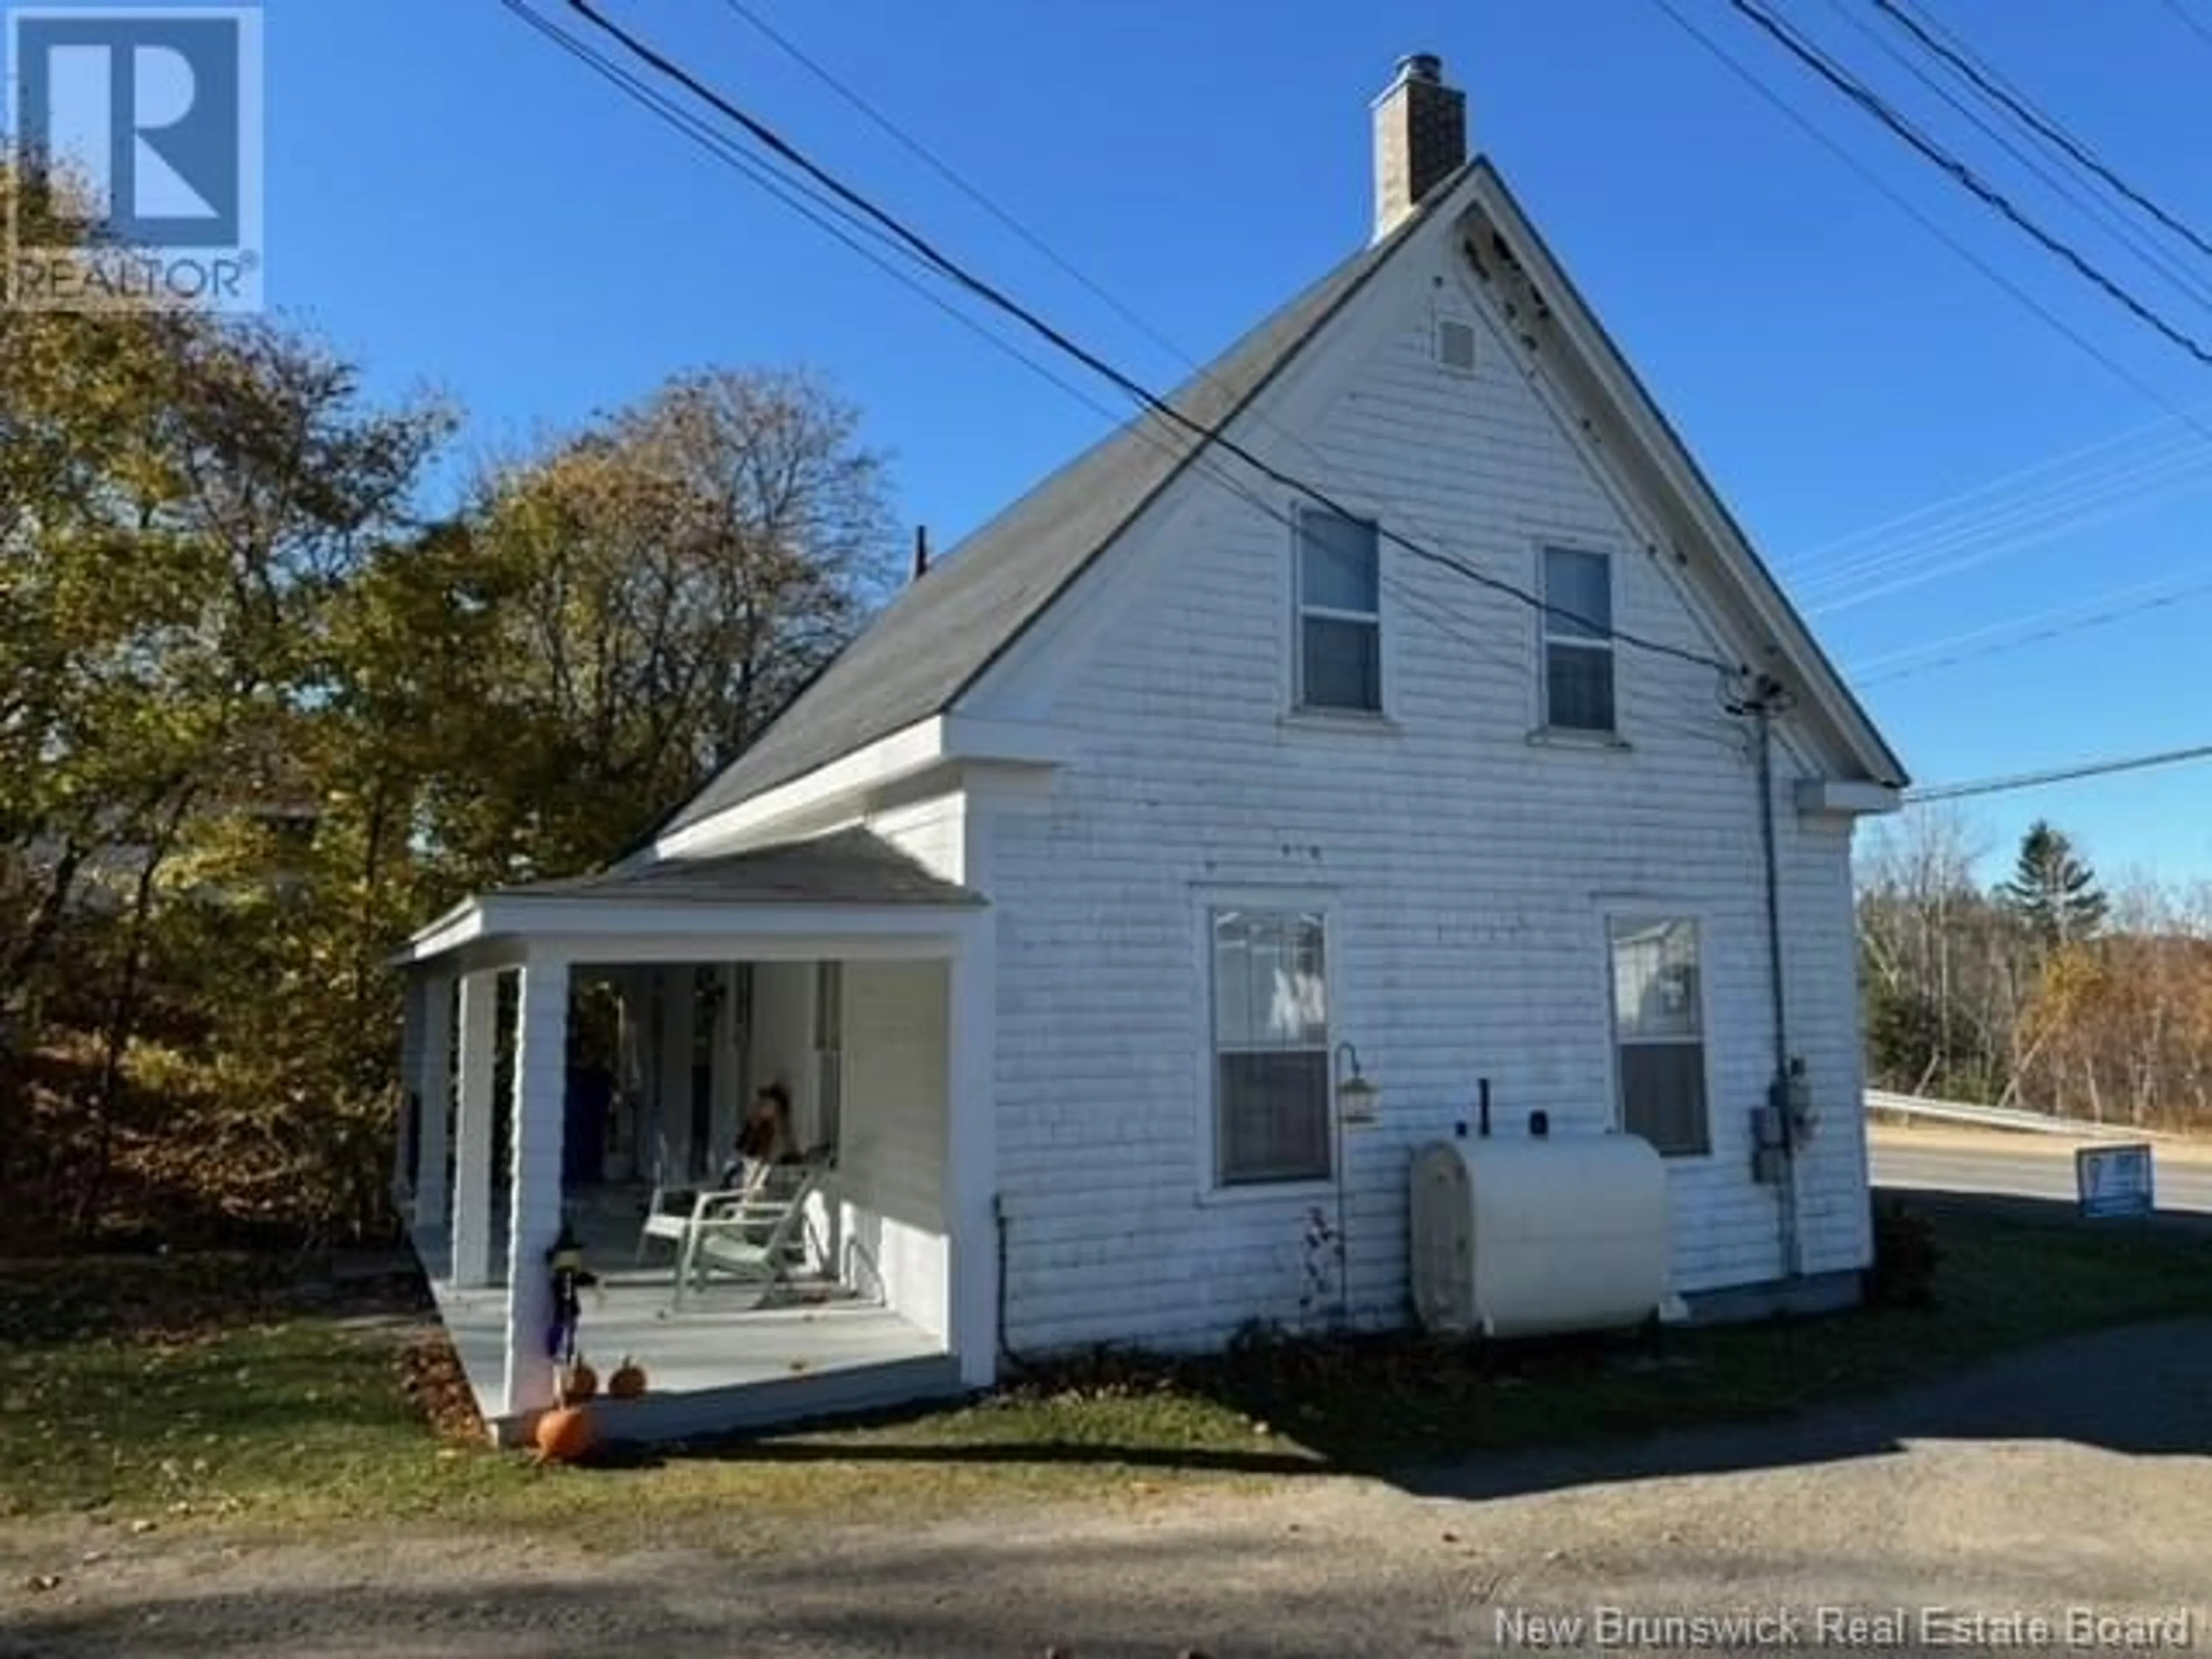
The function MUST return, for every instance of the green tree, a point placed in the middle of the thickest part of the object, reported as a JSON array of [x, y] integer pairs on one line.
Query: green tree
[[2053, 893]]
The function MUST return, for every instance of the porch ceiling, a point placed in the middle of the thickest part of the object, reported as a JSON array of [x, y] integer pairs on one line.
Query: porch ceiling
[[846, 884]]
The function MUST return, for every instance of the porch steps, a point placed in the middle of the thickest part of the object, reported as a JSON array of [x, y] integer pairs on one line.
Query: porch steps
[[780, 1402]]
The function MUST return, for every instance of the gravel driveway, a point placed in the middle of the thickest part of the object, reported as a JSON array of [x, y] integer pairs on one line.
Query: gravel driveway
[[2075, 1477]]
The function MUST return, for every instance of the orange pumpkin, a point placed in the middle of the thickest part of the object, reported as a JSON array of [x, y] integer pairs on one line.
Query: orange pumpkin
[[576, 1383], [564, 1434], [629, 1381]]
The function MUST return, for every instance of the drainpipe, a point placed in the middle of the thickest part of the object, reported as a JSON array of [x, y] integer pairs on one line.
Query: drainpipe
[[1000, 1223], [1765, 695]]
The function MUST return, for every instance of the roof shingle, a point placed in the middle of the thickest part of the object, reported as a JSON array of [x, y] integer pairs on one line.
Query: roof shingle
[[851, 866]]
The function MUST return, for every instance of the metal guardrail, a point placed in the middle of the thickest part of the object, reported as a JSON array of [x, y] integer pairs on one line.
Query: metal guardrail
[[1998, 1117]]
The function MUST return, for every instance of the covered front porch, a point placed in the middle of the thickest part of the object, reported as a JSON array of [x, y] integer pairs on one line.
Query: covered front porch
[[578, 1051]]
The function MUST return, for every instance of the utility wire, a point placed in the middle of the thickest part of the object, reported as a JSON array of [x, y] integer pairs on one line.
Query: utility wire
[[1905, 205], [812, 208], [945, 170], [1424, 607], [1202, 435], [2187, 416], [2100, 769], [1433, 608], [2189, 22], [2064, 620], [2056, 502], [1992, 490], [914, 145], [1916, 563], [999, 299], [1859, 93], [1964, 64], [2046, 160]]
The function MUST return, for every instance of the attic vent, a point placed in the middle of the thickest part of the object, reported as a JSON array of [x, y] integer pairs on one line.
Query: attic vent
[[1456, 345]]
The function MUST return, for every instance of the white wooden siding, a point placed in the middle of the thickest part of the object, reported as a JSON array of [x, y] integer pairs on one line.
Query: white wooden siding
[[1467, 867], [892, 1167], [931, 831]]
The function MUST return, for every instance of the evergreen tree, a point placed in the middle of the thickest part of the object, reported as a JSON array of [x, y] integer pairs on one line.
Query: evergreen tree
[[2053, 892]]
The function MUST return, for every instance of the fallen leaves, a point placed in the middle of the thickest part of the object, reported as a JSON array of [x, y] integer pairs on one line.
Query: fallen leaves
[[432, 1377]]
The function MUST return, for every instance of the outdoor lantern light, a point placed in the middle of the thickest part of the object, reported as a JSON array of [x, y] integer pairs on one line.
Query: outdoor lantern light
[[1356, 1098]]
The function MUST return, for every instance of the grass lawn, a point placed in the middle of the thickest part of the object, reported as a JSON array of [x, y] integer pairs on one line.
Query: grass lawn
[[239, 1389]]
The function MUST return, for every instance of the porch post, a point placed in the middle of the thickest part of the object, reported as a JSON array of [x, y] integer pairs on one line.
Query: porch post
[[971, 1155], [434, 1084], [413, 1001], [679, 1008], [473, 1124], [540, 1075]]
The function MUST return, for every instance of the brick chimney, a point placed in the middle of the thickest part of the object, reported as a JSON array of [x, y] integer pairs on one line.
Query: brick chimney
[[1420, 138]]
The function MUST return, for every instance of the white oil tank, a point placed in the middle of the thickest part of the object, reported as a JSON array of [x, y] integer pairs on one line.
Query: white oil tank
[[1526, 1236]]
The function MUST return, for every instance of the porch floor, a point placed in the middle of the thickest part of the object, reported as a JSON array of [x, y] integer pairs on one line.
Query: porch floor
[[720, 1363]]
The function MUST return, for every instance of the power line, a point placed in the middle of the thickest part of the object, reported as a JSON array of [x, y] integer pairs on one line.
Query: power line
[[1434, 609], [1905, 205], [2064, 620], [1205, 436], [2056, 502], [914, 145], [1424, 607], [820, 214], [2184, 415], [2102, 769], [2188, 21], [2049, 162], [954, 271], [1859, 93], [1914, 566], [1990, 489], [1964, 64], [945, 170]]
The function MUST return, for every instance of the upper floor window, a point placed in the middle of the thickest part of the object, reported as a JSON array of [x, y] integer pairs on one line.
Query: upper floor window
[[1340, 601], [1578, 654]]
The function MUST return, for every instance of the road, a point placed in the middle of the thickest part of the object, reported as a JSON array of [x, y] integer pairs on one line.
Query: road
[[2023, 1165]]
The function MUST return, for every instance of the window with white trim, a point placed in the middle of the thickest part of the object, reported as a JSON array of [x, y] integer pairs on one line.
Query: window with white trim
[[1578, 654], [1270, 1047], [1659, 1032], [1340, 605]]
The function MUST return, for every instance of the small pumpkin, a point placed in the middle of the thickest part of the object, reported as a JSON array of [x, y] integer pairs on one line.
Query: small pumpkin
[[576, 1383], [628, 1381], [564, 1434]]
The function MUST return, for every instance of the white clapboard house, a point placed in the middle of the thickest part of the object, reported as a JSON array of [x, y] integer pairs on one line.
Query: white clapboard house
[[1066, 901]]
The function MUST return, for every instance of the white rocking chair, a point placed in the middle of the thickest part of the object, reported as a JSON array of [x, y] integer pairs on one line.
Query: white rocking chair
[[672, 1209], [756, 1236]]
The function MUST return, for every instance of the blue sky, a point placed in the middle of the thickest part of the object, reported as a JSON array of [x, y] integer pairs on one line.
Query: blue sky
[[460, 208]]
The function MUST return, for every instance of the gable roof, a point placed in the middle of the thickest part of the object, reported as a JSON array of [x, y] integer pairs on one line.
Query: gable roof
[[955, 621], [952, 623]]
